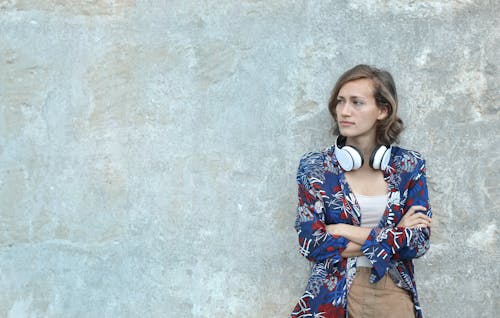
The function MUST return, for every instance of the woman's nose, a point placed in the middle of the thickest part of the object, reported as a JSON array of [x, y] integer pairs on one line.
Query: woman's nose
[[345, 109]]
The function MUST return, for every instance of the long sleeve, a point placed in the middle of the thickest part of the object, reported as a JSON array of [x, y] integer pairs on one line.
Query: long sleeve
[[316, 244], [398, 242], [418, 239]]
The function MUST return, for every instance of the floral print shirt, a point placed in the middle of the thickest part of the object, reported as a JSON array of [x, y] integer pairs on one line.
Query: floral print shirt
[[325, 198]]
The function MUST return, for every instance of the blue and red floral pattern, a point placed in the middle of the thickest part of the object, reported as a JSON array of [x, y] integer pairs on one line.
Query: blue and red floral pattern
[[326, 198]]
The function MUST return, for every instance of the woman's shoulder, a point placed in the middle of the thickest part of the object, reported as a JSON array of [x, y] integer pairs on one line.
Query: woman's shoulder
[[315, 163], [316, 158], [406, 160], [403, 152]]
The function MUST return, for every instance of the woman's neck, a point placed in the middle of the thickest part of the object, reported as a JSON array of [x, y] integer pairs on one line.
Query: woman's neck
[[365, 144]]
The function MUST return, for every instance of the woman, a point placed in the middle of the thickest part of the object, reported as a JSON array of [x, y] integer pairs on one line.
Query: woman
[[363, 212]]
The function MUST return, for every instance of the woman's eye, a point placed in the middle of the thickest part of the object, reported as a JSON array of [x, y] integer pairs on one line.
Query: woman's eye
[[357, 103]]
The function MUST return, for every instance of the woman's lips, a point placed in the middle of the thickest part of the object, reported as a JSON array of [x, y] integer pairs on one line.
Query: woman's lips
[[346, 123]]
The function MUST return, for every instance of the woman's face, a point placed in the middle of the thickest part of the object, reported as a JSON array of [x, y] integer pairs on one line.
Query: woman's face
[[357, 111]]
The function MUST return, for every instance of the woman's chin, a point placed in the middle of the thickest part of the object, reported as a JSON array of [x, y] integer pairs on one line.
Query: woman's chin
[[347, 133]]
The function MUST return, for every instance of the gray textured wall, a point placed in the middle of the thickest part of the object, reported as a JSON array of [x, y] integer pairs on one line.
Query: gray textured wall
[[148, 150]]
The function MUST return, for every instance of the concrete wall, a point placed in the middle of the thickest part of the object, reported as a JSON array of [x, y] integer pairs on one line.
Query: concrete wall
[[148, 149]]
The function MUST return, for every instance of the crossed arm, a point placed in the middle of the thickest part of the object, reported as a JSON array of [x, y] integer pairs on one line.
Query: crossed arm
[[357, 235], [333, 242]]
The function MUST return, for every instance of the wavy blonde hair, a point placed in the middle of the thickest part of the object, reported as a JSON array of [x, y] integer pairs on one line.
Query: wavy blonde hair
[[388, 129]]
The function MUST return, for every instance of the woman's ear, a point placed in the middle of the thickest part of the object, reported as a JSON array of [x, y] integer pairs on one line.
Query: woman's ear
[[383, 112]]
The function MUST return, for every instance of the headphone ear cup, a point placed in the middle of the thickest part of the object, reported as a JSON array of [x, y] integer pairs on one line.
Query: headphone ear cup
[[357, 159], [344, 159], [386, 158], [348, 157], [380, 157]]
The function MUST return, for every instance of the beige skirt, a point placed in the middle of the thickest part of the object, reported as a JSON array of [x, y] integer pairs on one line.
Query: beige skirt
[[382, 299]]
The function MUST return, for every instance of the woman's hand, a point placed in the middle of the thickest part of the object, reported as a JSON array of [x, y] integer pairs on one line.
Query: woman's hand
[[413, 220]]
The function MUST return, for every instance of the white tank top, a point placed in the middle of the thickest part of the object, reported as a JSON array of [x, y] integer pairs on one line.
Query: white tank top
[[372, 208]]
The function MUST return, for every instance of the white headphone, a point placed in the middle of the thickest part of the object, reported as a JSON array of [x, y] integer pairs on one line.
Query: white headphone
[[350, 158]]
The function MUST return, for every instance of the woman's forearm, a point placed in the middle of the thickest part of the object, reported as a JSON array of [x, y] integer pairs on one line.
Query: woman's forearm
[[353, 233], [352, 250]]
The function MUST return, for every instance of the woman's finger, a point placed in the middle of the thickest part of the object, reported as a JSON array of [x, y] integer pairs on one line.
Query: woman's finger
[[413, 220], [417, 208], [423, 217], [420, 216], [410, 212]]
